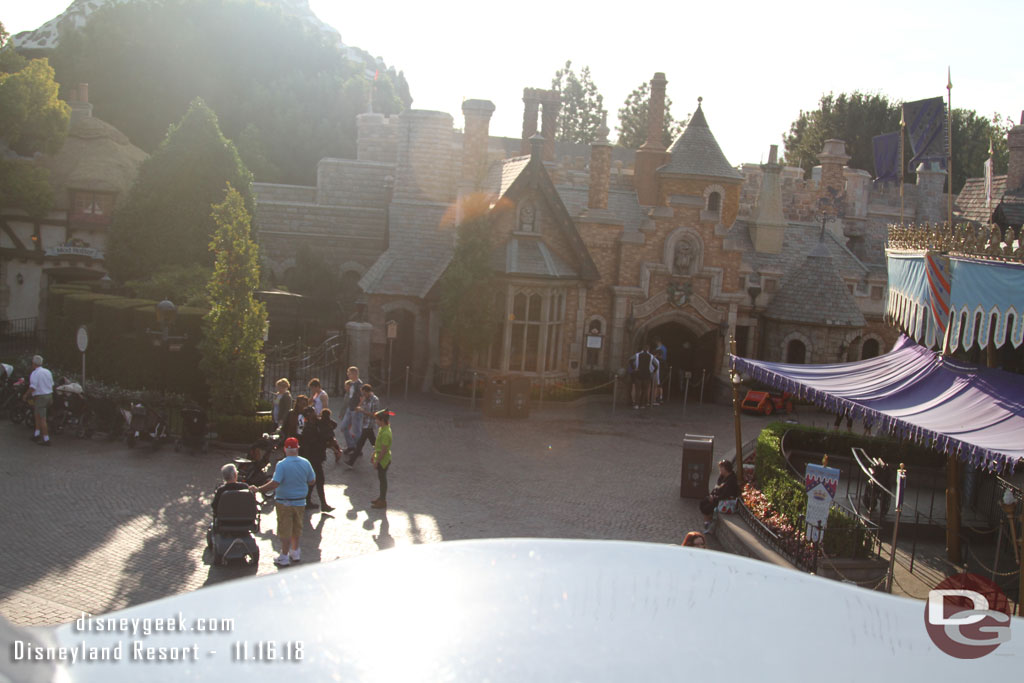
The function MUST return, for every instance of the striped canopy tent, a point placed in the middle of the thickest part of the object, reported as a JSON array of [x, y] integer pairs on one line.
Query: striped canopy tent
[[974, 412], [979, 299]]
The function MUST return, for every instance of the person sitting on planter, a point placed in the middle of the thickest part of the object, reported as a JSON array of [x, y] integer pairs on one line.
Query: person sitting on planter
[[727, 488]]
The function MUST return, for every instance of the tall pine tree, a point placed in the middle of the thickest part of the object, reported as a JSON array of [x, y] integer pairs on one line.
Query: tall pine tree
[[633, 119], [582, 113], [232, 345]]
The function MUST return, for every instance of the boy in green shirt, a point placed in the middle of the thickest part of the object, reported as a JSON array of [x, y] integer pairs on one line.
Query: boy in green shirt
[[382, 455]]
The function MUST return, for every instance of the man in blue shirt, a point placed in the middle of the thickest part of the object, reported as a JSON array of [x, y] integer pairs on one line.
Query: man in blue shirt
[[292, 478]]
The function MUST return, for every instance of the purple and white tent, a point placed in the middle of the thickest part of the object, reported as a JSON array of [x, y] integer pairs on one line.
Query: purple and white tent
[[914, 393]]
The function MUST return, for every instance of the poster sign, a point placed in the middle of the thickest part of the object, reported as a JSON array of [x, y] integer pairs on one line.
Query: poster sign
[[821, 483], [594, 341]]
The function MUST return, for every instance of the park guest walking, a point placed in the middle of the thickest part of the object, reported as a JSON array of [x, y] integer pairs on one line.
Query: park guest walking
[[318, 398], [293, 421], [352, 397], [282, 401], [313, 447], [382, 455], [368, 407], [40, 388]]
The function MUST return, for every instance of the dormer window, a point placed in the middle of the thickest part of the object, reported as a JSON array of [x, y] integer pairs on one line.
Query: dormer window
[[527, 217], [91, 207]]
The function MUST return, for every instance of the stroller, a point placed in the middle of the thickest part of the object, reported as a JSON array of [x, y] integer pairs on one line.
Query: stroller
[[230, 536], [193, 431], [258, 467], [145, 423]]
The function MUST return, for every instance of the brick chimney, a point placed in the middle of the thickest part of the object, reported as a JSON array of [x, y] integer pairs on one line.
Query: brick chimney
[[550, 104], [78, 98], [600, 170], [1015, 169], [833, 158], [652, 154], [475, 137], [531, 105]]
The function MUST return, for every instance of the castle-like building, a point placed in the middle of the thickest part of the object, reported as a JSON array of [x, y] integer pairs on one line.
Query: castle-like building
[[598, 248]]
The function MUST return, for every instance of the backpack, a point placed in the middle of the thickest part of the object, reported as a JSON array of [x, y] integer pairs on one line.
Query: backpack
[[643, 365]]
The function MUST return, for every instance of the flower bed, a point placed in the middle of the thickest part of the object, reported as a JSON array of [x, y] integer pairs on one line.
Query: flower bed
[[788, 539]]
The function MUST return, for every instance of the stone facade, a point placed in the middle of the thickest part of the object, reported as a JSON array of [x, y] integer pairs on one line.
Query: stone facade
[[601, 243]]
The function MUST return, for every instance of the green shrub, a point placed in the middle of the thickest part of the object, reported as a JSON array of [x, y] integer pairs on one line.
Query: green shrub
[[241, 428]]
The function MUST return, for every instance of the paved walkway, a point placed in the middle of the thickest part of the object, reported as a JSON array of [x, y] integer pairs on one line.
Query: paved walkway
[[93, 526]]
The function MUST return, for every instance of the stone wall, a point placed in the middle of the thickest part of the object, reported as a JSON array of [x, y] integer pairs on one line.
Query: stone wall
[[270, 192], [426, 157], [349, 183]]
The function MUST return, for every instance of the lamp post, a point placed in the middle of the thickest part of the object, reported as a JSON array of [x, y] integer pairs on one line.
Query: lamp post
[[166, 312], [734, 378]]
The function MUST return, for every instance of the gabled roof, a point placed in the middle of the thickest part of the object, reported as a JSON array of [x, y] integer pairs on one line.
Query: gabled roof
[[422, 242], [502, 174], [815, 294], [696, 152], [970, 203], [1011, 208], [530, 256]]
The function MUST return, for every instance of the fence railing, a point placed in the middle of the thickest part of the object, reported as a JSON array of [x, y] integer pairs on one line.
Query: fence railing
[[21, 336], [299, 364], [467, 383]]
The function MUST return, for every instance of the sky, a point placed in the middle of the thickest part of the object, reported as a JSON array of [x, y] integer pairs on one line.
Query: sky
[[756, 64]]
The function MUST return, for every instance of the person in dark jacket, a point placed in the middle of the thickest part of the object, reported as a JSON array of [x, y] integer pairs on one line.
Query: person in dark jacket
[[291, 428], [726, 488], [313, 447]]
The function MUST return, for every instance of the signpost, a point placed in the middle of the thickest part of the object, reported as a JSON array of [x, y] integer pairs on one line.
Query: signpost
[[82, 339], [392, 333]]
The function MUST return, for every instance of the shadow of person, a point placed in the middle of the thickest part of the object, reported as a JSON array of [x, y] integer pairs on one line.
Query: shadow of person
[[312, 537], [383, 539]]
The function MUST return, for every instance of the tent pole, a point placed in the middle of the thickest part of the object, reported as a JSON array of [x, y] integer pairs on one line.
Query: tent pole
[[953, 509], [734, 381]]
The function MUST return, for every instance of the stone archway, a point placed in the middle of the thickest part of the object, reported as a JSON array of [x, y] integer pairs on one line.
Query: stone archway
[[693, 346]]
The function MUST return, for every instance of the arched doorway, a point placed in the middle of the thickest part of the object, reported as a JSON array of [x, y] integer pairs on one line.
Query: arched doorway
[[688, 351]]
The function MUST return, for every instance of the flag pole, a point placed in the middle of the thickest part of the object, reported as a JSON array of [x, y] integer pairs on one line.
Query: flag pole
[[949, 144], [903, 163]]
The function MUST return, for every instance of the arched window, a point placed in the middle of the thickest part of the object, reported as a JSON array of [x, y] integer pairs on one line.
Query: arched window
[[869, 349], [714, 202], [796, 351]]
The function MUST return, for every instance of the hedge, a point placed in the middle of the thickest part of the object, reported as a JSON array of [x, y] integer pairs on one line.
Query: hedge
[[845, 537], [241, 428]]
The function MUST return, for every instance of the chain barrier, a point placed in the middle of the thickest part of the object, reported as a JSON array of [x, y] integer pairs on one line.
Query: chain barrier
[[847, 579], [989, 569]]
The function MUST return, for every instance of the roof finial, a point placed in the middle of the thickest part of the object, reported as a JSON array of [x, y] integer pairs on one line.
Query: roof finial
[[699, 100]]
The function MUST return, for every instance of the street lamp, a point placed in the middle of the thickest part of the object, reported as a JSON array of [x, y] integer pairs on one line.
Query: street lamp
[[166, 312]]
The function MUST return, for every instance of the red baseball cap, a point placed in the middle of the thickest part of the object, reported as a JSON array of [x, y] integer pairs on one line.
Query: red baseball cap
[[291, 442]]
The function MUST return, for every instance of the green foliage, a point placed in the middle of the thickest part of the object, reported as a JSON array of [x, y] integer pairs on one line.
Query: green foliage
[[184, 284], [857, 117], [582, 113], [232, 346], [32, 119], [633, 119], [846, 536], [254, 65], [468, 286], [166, 219], [313, 275]]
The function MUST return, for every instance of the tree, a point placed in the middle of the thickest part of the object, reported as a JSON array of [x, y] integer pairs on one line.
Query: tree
[[253, 64], [857, 117], [468, 286], [165, 221], [232, 345], [633, 119], [582, 112], [32, 119]]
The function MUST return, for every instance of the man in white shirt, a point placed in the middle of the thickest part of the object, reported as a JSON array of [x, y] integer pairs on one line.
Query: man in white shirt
[[40, 388]]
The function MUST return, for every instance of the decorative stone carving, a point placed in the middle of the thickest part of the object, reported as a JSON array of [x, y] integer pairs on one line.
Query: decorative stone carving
[[684, 260]]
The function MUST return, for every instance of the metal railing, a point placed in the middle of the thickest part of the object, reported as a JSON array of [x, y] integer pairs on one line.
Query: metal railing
[[21, 336]]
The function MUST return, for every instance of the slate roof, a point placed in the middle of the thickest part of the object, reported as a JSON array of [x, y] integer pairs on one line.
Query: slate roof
[[970, 203], [1011, 208], [696, 152], [815, 294], [530, 256], [798, 240], [422, 241], [622, 206], [502, 174]]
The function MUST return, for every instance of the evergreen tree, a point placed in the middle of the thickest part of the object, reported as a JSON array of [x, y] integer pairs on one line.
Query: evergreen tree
[[582, 112], [232, 345], [468, 286], [633, 119], [165, 221], [32, 119]]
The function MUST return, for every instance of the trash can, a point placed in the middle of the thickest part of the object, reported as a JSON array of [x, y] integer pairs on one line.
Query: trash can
[[698, 450], [519, 396], [496, 397]]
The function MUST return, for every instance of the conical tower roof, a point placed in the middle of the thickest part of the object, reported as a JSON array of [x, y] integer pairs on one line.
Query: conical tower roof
[[696, 152], [813, 293]]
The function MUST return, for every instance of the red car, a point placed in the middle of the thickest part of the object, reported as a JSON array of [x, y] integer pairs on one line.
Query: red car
[[766, 403]]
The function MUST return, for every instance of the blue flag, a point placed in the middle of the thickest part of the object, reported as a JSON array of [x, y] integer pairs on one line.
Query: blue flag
[[887, 157], [926, 128]]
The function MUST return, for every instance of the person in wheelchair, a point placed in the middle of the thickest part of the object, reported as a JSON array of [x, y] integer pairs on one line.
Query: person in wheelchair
[[231, 483], [235, 518]]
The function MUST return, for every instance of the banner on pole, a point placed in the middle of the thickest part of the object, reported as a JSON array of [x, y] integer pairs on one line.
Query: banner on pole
[[821, 484]]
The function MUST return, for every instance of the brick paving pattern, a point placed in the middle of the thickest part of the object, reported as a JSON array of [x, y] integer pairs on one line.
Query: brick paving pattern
[[93, 526]]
